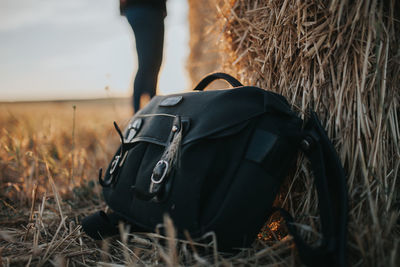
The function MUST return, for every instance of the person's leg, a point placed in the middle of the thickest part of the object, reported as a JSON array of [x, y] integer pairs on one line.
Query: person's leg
[[148, 26]]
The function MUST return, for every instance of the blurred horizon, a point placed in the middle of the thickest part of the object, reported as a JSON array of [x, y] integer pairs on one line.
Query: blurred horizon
[[80, 50]]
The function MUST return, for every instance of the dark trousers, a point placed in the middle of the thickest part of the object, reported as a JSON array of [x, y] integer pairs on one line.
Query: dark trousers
[[148, 26]]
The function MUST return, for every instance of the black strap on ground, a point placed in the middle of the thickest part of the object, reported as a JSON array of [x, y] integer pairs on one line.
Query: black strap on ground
[[215, 76], [332, 195], [100, 225]]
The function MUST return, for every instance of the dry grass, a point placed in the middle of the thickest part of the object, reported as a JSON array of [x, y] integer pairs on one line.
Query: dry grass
[[49, 157], [341, 58]]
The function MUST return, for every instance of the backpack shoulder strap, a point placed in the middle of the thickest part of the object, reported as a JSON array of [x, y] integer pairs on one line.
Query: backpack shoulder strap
[[331, 188]]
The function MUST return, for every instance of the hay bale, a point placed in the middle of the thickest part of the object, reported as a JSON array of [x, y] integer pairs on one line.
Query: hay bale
[[204, 55], [342, 59]]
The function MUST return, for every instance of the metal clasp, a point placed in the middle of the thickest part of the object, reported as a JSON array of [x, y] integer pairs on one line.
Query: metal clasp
[[114, 164], [160, 172], [133, 128]]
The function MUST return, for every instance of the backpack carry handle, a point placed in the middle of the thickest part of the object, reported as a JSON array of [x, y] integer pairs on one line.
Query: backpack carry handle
[[215, 76]]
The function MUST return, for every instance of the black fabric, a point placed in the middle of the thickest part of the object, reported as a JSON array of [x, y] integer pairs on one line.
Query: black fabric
[[224, 164]]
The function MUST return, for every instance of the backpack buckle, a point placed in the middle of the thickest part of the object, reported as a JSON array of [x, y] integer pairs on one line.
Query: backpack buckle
[[133, 129], [119, 159], [114, 164], [309, 141], [159, 172]]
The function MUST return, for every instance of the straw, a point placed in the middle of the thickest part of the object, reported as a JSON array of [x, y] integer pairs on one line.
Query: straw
[[342, 59]]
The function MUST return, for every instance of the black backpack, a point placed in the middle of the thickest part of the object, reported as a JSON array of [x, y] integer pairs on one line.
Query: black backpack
[[215, 161]]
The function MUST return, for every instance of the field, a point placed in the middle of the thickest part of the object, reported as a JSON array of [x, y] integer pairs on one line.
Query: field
[[50, 154]]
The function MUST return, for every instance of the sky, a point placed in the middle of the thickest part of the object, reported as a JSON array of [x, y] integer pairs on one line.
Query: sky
[[77, 48]]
